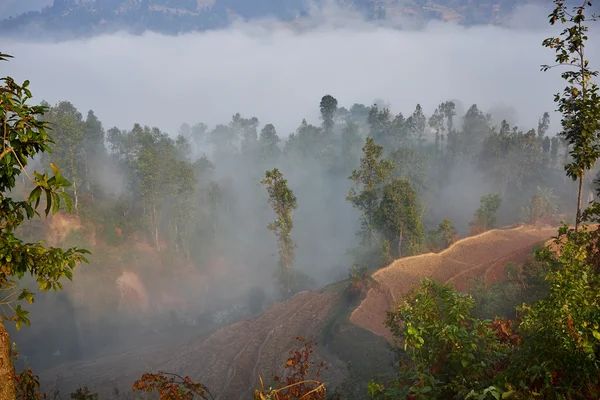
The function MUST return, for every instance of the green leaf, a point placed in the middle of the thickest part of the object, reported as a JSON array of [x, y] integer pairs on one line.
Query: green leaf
[[48, 202], [596, 334], [68, 200]]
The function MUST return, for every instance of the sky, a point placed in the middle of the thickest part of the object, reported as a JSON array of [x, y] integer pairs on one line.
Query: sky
[[260, 69]]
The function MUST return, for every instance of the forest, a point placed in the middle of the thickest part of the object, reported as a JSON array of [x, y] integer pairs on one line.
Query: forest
[[335, 200]]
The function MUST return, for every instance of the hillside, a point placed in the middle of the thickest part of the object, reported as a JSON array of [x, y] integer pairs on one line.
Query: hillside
[[229, 359], [89, 17]]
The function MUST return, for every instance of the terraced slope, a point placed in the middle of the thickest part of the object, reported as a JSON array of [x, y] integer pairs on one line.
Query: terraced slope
[[484, 254], [229, 360]]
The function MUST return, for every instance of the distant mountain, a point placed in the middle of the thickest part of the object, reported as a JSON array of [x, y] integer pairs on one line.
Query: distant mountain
[[89, 17]]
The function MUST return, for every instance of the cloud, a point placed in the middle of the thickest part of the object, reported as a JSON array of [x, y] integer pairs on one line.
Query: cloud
[[268, 70]]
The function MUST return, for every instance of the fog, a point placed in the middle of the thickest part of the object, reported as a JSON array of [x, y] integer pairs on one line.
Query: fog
[[278, 73]]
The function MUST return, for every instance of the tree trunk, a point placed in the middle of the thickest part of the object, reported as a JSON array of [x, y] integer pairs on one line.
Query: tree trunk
[[400, 245], [75, 195], [578, 218], [7, 370]]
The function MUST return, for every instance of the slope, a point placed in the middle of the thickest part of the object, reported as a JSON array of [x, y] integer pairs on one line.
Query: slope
[[229, 360], [485, 254]]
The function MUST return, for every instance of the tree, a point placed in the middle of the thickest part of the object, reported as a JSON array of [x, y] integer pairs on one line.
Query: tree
[[283, 202], [579, 102], [69, 153], [398, 217], [543, 125], [485, 215], [268, 143], [373, 172], [24, 136], [328, 107]]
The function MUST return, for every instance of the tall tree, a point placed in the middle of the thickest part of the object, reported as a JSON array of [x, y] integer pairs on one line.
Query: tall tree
[[69, 153], [543, 125], [284, 203], [372, 174], [328, 107], [24, 136], [268, 143], [579, 102], [398, 217], [94, 148]]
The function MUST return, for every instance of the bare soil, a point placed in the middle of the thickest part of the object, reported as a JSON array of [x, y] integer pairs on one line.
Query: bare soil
[[485, 254], [230, 359]]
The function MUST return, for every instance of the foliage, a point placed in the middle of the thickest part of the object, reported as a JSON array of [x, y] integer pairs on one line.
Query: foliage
[[83, 394], [442, 237], [171, 386], [359, 278], [542, 206], [374, 171], [283, 202], [579, 103], [386, 253], [398, 217], [24, 136], [297, 384], [485, 215], [448, 353]]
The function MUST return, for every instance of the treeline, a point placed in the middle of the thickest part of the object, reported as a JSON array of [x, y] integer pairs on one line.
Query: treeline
[[197, 194]]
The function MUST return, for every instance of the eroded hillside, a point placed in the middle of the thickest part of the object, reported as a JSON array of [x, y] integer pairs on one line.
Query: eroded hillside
[[485, 254], [230, 359]]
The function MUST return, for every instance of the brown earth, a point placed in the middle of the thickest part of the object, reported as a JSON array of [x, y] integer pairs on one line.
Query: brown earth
[[485, 254], [229, 360]]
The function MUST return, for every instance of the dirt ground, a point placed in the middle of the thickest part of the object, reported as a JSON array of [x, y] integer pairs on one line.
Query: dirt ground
[[485, 254], [229, 360]]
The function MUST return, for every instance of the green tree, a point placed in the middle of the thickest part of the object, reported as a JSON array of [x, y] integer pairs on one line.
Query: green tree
[[328, 107], [24, 136], [447, 232], [369, 178], [543, 125], [69, 153], [398, 217], [447, 352], [268, 141], [283, 202], [485, 215], [579, 102]]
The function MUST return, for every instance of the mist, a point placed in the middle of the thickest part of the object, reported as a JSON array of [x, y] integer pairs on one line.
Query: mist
[[278, 73]]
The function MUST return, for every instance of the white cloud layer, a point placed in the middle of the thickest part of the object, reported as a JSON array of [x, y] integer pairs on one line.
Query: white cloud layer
[[279, 75]]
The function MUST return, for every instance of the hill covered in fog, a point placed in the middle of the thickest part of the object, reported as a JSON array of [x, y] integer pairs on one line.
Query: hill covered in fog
[[89, 17]]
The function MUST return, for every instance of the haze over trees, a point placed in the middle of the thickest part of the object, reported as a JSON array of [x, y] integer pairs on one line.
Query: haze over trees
[[203, 195]]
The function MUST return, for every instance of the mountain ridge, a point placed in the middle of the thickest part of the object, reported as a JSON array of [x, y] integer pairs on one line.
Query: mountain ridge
[[81, 18]]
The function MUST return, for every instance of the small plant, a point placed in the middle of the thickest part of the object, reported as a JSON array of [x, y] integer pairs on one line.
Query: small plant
[[359, 279], [171, 387], [297, 384], [83, 394]]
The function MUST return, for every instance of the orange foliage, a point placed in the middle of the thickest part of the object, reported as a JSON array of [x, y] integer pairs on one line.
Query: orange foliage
[[297, 385], [171, 386]]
